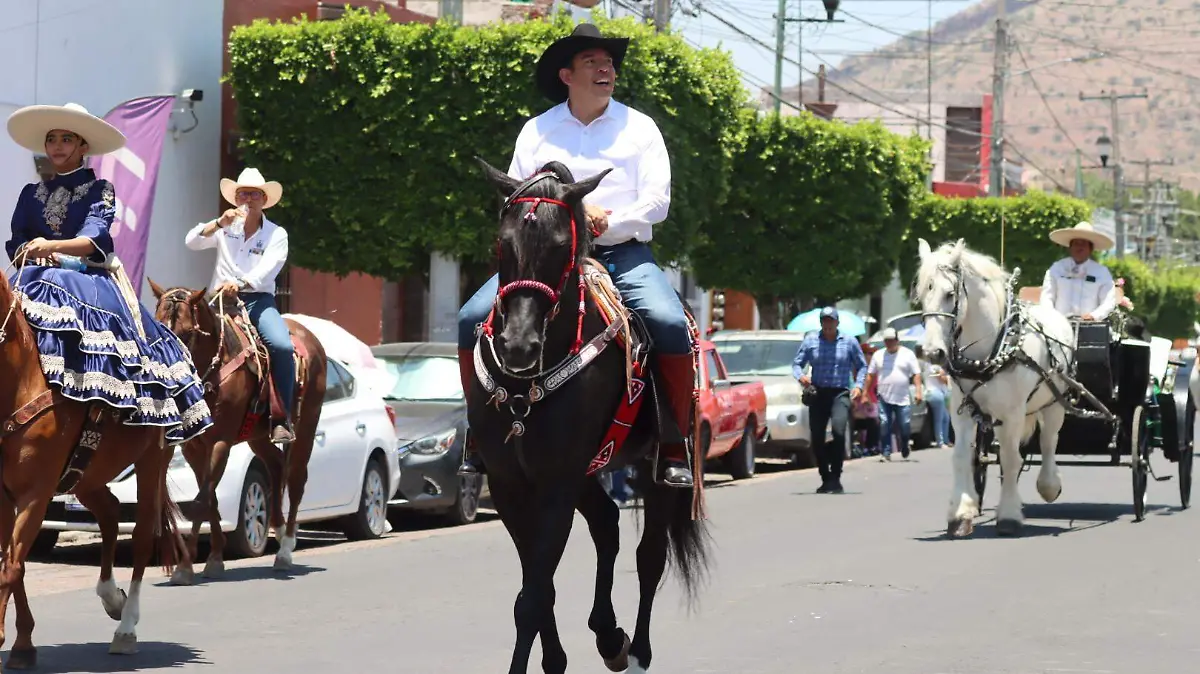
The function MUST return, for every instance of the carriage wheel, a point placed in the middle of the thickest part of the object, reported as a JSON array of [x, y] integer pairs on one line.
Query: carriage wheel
[[1139, 446], [979, 467], [1186, 456]]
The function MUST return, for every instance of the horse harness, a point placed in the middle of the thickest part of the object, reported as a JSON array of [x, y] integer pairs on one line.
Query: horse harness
[[1006, 352]]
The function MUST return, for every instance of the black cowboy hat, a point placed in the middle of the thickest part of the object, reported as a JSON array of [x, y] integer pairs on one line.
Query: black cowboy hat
[[559, 55]]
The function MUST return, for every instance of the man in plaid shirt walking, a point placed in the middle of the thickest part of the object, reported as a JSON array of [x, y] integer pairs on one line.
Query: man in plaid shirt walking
[[836, 360]]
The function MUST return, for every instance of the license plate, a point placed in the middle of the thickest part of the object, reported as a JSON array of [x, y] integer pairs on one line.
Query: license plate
[[73, 503]]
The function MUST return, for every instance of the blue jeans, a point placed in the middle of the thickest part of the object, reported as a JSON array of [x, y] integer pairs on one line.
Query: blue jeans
[[940, 416], [272, 329], [644, 288], [894, 421]]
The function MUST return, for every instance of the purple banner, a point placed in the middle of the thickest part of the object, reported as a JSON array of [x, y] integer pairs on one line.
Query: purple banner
[[133, 171]]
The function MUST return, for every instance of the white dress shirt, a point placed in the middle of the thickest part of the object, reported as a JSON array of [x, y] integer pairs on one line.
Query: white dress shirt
[[637, 191], [252, 263], [1078, 289]]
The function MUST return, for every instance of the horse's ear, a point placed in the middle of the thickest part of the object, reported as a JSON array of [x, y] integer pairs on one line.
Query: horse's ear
[[585, 187], [197, 296], [923, 248], [158, 291], [503, 182], [1196, 327]]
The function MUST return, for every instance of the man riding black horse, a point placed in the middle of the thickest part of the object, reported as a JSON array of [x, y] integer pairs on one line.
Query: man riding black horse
[[589, 132]]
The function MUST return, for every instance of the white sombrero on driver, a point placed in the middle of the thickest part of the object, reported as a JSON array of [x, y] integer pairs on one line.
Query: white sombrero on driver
[[251, 178], [29, 126], [1083, 230]]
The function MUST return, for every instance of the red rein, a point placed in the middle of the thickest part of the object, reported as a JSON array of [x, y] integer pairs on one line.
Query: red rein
[[555, 294]]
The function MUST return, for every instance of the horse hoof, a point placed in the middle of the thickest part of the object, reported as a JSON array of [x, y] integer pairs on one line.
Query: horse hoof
[[114, 612], [1008, 527], [25, 658], [123, 644], [182, 576], [282, 564], [214, 568], [636, 667], [619, 662], [960, 528]]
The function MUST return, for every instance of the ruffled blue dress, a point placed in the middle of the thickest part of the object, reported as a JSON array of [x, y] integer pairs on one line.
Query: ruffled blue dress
[[91, 349]]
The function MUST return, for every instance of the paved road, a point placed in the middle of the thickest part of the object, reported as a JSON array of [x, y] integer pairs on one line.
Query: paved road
[[861, 582]]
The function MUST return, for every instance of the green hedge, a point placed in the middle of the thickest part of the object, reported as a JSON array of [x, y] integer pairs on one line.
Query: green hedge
[[1024, 222], [372, 127], [818, 210], [1163, 298]]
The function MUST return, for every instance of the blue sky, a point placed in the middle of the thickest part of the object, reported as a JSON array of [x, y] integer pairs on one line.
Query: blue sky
[[832, 42]]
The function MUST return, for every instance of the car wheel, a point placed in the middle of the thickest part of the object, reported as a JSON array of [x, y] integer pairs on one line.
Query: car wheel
[[741, 459], [371, 519], [250, 537], [466, 503], [44, 544]]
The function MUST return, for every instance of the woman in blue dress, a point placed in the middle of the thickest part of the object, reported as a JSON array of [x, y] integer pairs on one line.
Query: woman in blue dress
[[96, 341]]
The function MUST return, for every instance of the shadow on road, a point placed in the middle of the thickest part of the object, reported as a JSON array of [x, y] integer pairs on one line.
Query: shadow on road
[[1074, 517], [245, 573], [94, 657]]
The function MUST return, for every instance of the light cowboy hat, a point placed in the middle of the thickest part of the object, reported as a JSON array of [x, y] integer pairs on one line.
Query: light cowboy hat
[[29, 126], [251, 178], [1083, 230]]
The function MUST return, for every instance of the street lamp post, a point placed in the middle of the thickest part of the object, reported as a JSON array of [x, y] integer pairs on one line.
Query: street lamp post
[[831, 7], [1104, 147]]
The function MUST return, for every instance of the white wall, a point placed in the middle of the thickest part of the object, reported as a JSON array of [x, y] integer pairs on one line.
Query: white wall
[[100, 53]]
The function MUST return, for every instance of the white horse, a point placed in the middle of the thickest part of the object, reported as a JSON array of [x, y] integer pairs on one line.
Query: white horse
[[964, 298]]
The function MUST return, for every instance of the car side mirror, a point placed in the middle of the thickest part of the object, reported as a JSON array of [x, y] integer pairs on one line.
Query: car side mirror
[[721, 383]]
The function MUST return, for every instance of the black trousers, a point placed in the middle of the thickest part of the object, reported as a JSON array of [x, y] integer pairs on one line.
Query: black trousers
[[832, 406]]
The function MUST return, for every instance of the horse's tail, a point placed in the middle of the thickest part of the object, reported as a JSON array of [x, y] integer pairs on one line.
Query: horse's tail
[[170, 541], [688, 541]]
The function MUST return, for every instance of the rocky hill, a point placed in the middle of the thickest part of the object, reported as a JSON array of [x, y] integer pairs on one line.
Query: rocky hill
[[1151, 47]]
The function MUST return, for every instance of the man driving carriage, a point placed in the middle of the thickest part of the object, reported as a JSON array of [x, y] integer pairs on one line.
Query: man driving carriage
[[589, 132], [1077, 285]]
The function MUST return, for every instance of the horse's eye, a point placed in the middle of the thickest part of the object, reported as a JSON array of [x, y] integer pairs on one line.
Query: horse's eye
[[949, 296]]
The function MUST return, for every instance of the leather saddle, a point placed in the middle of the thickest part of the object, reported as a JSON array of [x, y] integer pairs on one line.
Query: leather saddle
[[250, 351]]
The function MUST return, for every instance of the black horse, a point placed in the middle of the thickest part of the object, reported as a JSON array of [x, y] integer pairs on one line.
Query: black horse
[[544, 399]]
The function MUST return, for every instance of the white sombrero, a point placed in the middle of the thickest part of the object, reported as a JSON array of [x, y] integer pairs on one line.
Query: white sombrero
[[251, 178], [1083, 230], [29, 126]]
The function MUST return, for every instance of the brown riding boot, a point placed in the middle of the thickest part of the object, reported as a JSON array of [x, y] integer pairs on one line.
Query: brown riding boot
[[472, 463], [679, 379]]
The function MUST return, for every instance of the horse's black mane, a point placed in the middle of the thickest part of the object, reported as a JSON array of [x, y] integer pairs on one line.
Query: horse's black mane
[[549, 190]]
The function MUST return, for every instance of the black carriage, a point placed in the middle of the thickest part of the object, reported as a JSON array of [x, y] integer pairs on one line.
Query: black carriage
[[1130, 412]]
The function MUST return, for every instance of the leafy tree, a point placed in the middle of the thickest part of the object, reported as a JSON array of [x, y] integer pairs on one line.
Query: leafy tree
[[817, 212], [373, 126]]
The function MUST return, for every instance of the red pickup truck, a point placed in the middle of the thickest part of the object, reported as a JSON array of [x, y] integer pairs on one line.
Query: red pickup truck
[[732, 414]]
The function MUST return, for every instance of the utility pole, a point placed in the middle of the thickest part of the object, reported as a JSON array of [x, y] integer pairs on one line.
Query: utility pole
[[662, 14], [830, 7], [1118, 170], [999, 75], [1150, 205], [780, 18]]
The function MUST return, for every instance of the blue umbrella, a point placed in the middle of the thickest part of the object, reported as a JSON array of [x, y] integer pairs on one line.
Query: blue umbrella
[[849, 324]]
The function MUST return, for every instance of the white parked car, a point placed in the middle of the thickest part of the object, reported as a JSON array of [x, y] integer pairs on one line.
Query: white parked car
[[353, 472]]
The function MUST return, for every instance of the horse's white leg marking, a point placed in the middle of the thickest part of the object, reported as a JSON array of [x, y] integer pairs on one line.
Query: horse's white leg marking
[[635, 667], [1009, 435], [287, 545], [964, 502], [1049, 482], [125, 640], [110, 596]]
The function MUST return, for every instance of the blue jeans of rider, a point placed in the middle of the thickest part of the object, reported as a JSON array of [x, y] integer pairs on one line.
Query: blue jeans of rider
[[644, 288], [895, 422], [270, 325]]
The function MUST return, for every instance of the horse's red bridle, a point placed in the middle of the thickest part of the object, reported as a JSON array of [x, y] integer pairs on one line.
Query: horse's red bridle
[[555, 294]]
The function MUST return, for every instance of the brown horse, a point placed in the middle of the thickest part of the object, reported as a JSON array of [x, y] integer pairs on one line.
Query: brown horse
[[37, 439], [230, 374]]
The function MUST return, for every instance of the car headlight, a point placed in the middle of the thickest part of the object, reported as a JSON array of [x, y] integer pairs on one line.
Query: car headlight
[[177, 460], [433, 444]]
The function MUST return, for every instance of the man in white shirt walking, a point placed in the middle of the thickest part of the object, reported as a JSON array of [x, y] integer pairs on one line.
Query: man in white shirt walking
[[891, 369], [251, 251], [1078, 286], [589, 132]]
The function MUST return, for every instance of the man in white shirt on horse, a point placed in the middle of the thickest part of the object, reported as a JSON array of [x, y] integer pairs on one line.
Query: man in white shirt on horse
[[589, 132], [1077, 285]]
